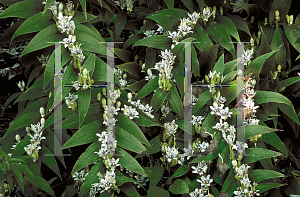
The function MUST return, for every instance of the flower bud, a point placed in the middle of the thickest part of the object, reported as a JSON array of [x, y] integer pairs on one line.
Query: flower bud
[[18, 138], [252, 41], [42, 121], [118, 105], [27, 129], [266, 21], [104, 91], [60, 7], [136, 58], [207, 78], [143, 67], [42, 111], [124, 76], [234, 163], [149, 72], [252, 19], [276, 14], [85, 72], [99, 96], [221, 11], [129, 95], [258, 34], [103, 102], [279, 68], [214, 11], [104, 116], [287, 18]]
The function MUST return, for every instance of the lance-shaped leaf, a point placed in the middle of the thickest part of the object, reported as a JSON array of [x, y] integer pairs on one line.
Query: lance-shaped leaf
[[128, 141], [131, 67], [158, 98], [49, 34], [262, 174], [253, 130], [157, 173], [256, 154], [158, 42], [23, 9], [179, 187], [148, 88], [175, 101], [275, 141], [127, 161], [128, 125], [84, 99]]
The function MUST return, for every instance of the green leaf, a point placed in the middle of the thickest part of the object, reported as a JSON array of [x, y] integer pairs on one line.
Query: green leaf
[[39, 41], [266, 186], [157, 192], [222, 145], [229, 26], [42, 183], [175, 12], [124, 55], [89, 64], [253, 130], [208, 58], [127, 161], [48, 159], [284, 104], [129, 189], [10, 99], [18, 173], [280, 56], [182, 123], [23, 121], [179, 187], [175, 101], [91, 178], [283, 8], [155, 143], [169, 3], [180, 171], [157, 173], [84, 99], [239, 23], [286, 82], [88, 157], [120, 23], [257, 64], [219, 66], [202, 37], [158, 98], [131, 67], [292, 33], [218, 31], [161, 42], [262, 174], [275, 141], [191, 5], [19, 150], [144, 121], [121, 179], [35, 23], [203, 99], [83, 5], [84, 135], [128, 125], [230, 184], [256, 154], [23, 9], [169, 23], [148, 88], [128, 141]]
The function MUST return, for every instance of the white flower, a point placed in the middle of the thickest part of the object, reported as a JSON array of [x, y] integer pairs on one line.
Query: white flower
[[174, 36], [123, 83], [220, 100], [216, 108], [229, 138], [250, 106], [114, 95], [130, 112], [197, 193], [79, 177], [160, 29], [205, 181], [168, 56], [110, 122], [240, 147], [247, 56], [252, 121], [197, 119], [194, 17], [102, 136], [194, 99], [171, 154], [200, 169], [65, 24], [111, 110], [224, 113], [37, 128], [37, 138], [69, 41], [21, 85], [212, 74], [149, 33], [150, 75], [184, 28], [221, 126], [70, 100], [171, 127], [206, 14], [147, 109], [202, 147], [113, 163], [188, 151]]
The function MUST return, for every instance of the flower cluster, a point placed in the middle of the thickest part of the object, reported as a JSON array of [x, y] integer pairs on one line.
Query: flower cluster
[[160, 30], [213, 78], [79, 177], [145, 108], [205, 181], [171, 155], [246, 188], [185, 27], [247, 56], [36, 137], [21, 85], [197, 121], [122, 80], [165, 69], [71, 101], [125, 3], [130, 112]]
